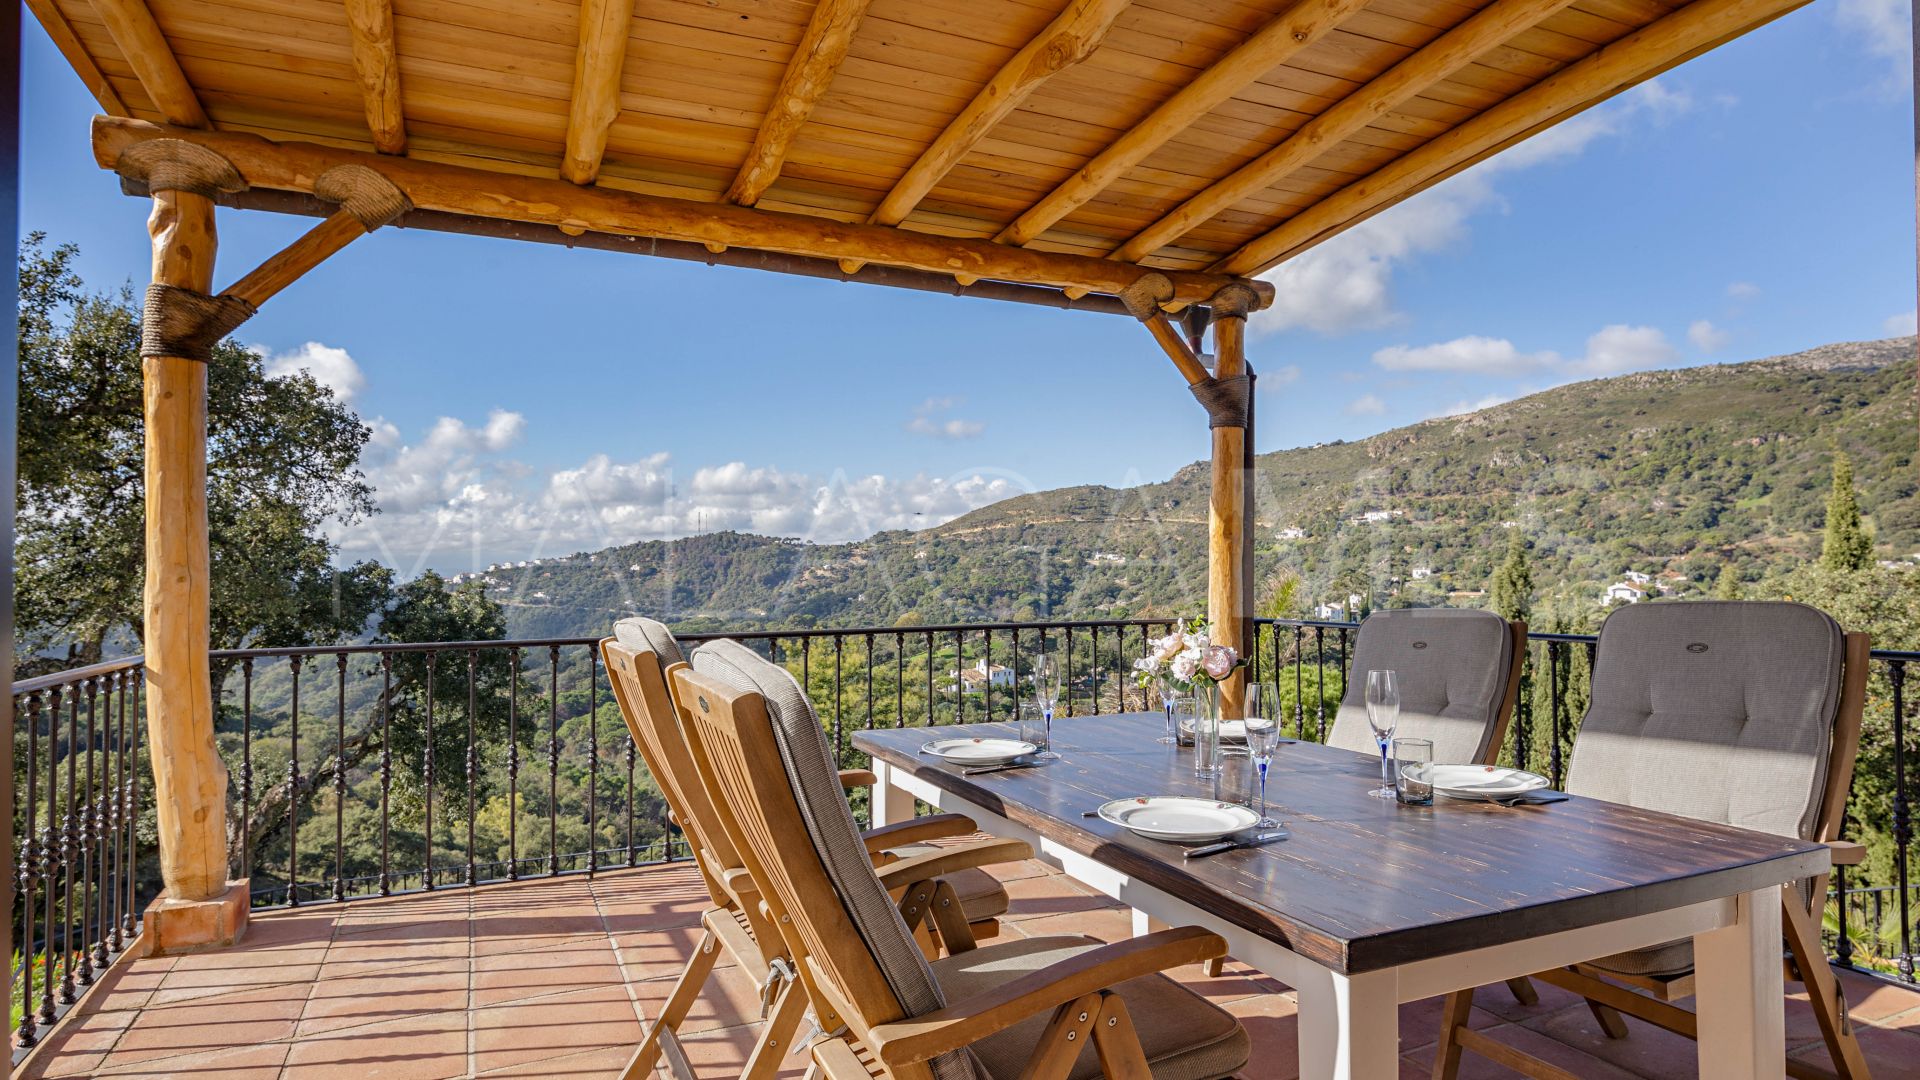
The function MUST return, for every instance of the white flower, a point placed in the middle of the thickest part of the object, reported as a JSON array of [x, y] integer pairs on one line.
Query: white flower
[[1185, 665]]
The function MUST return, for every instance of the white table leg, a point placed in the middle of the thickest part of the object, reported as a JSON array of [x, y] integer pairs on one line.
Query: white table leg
[[1740, 995], [890, 802], [1349, 1025], [1143, 923]]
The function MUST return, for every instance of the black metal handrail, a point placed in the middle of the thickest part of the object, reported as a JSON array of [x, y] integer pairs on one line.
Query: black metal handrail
[[416, 766]]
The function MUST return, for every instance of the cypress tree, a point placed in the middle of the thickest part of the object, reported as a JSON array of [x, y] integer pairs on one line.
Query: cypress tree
[[1847, 546], [1511, 590]]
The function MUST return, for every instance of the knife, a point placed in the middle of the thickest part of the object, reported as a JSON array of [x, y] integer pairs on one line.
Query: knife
[[1259, 840], [1000, 768], [1533, 800]]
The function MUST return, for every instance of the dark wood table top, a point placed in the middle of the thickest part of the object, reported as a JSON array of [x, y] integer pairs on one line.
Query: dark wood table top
[[1365, 883]]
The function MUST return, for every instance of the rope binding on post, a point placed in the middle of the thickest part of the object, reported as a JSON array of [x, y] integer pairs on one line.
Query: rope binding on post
[[176, 165], [188, 324], [364, 193]]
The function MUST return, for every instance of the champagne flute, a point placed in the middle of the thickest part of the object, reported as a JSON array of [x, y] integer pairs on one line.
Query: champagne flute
[[1263, 736], [1046, 692], [1167, 703], [1383, 715]]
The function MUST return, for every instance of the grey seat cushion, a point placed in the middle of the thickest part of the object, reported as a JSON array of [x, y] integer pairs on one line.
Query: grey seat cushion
[[1716, 710], [1452, 667], [815, 778], [1185, 1036], [649, 635], [981, 894]]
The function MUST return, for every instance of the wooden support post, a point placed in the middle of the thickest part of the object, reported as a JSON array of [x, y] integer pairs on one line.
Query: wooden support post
[[200, 907], [1228, 606]]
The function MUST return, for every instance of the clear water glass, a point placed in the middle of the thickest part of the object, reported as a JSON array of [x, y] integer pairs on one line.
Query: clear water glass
[[1251, 695], [1413, 771], [1033, 728], [1046, 695], [1263, 737], [1383, 715], [1168, 704]]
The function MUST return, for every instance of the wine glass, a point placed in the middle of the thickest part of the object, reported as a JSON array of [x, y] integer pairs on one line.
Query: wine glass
[[1046, 692], [1168, 702], [1263, 736], [1383, 715]]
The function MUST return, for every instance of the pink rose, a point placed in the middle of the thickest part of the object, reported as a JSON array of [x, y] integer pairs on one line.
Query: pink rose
[[1219, 661], [1167, 648], [1184, 666]]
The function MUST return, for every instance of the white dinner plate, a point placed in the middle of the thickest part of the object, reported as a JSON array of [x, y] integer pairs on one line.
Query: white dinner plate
[[1484, 781], [1178, 818], [1230, 730], [979, 751]]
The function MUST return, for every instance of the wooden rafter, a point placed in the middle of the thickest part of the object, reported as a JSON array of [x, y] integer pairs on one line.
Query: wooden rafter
[[132, 28], [1631, 60], [605, 26], [377, 63], [815, 61], [1434, 63], [456, 189], [1292, 30], [1067, 40], [71, 47]]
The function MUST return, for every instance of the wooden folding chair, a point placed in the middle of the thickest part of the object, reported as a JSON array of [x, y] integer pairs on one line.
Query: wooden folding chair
[[1682, 695], [735, 925], [1027, 1008]]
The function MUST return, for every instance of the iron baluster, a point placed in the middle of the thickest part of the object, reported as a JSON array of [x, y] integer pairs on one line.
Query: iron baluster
[[29, 874], [839, 728], [1320, 691], [386, 773], [427, 774], [89, 838], [473, 752], [246, 768], [340, 780], [293, 790], [133, 804], [49, 851], [1556, 707], [553, 759], [1902, 824], [513, 766], [69, 847], [593, 762], [121, 869]]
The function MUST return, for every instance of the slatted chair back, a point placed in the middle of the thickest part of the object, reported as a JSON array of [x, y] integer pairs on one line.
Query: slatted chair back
[[757, 742], [1459, 678]]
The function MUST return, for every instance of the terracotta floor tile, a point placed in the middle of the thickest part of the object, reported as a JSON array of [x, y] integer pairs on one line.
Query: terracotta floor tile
[[128, 984], [1577, 1062], [1647, 1050], [290, 929], [79, 1048], [1104, 923], [437, 986], [1034, 897], [1891, 1055], [729, 998], [1272, 1023], [568, 966], [241, 1063], [661, 953], [201, 1025], [213, 974], [416, 1048], [606, 1063], [1873, 1000], [723, 1052], [543, 1028]]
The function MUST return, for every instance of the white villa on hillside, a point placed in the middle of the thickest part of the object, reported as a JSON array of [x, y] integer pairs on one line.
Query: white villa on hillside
[[978, 677]]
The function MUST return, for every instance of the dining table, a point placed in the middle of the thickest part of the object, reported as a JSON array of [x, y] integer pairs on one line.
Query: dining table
[[1369, 903]]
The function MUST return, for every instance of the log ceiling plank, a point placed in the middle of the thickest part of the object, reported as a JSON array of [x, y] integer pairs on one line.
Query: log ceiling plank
[[133, 29], [70, 46], [377, 63], [1070, 38], [456, 189], [1486, 29], [815, 61], [1631, 60], [605, 26], [1292, 30]]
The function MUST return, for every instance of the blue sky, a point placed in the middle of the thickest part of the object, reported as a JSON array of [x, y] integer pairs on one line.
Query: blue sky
[[529, 400]]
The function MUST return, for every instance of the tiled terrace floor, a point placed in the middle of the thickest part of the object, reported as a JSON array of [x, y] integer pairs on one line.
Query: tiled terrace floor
[[552, 978]]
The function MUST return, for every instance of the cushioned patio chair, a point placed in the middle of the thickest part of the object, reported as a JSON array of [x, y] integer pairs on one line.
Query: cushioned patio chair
[[1049, 1008], [639, 659], [1459, 676], [1741, 713]]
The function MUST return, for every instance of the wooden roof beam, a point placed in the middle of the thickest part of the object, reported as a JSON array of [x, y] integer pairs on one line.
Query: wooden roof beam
[[1434, 63], [815, 61], [1272, 45], [479, 193], [1641, 55], [605, 26], [1070, 38], [70, 46], [132, 28], [377, 64]]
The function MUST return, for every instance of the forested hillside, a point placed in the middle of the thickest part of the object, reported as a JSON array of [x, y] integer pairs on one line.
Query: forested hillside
[[1682, 471]]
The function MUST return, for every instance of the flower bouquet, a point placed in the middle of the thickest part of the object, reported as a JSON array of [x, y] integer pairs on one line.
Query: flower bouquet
[[1188, 661]]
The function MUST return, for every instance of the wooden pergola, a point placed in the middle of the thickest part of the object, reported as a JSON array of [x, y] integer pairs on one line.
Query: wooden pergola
[[1137, 157]]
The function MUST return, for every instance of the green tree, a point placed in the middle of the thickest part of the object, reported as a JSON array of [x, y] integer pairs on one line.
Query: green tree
[[1847, 545], [1511, 589], [1727, 585], [282, 457]]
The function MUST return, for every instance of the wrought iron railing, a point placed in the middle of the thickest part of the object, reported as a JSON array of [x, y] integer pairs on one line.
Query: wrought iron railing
[[370, 770]]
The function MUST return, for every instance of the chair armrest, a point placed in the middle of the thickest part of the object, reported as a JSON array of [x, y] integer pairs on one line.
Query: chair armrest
[[919, 831], [853, 778], [946, 860], [906, 1041], [1846, 852]]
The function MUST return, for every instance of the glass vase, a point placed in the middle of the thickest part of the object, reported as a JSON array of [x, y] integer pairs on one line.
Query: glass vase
[[1206, 731]]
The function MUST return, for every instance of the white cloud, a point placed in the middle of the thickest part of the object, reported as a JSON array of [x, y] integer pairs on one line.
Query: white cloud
[[1707, 337], [1346, 284], [1614, 349], [455, 497], [1900, 325], [1883, 28], [1463, 406], [1475, 354], [1743, 290], [329, 366], [1366, 405], [1285, 375], [927, 420]]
